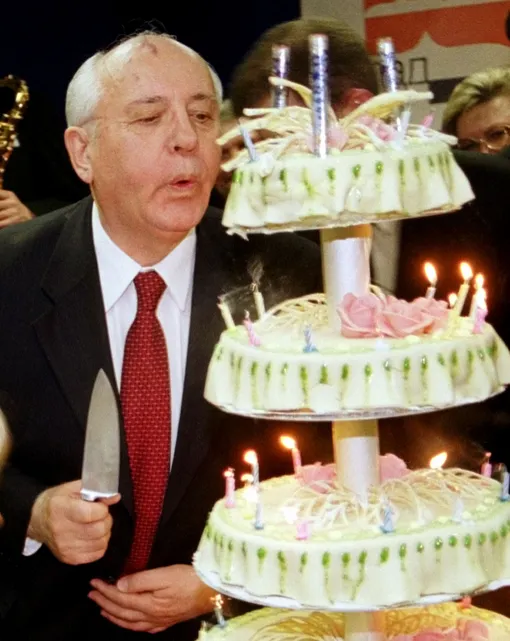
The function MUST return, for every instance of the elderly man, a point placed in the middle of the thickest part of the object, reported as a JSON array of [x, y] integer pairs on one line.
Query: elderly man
[[78, 289]]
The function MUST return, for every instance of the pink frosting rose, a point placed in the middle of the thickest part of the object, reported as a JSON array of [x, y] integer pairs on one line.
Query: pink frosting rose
[[317, 476], [380, 128], [466, 630], [359, 315], [392, 467], [369, 316]]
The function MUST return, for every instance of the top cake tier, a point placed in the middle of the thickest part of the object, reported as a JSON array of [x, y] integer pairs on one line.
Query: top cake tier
[[373, 171]]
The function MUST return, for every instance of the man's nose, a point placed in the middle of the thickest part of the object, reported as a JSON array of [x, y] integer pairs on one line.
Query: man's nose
[[183, 136]]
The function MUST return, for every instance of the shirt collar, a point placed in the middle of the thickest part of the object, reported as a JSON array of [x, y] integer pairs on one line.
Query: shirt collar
[[117, 270]]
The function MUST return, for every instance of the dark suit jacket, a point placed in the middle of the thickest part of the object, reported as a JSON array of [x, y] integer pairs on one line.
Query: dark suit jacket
[[53, 340]]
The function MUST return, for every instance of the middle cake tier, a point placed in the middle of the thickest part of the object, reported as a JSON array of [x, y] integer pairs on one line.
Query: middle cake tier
[[430, 532]]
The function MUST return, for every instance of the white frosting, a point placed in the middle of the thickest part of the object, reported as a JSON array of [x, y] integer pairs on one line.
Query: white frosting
[[350, 556]]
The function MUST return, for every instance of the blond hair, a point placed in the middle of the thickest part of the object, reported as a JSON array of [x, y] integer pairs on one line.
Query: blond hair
[[474, 90]]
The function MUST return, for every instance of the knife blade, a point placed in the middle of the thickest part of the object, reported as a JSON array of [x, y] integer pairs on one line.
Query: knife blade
[[101, 455]]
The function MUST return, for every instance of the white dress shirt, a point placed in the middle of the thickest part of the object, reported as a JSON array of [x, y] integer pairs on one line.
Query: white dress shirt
[[117, 272]]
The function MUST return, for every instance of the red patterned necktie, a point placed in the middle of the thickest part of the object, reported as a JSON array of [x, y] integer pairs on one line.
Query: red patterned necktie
[[145, 398]]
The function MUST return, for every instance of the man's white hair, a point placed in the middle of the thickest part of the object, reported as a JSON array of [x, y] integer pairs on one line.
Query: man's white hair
[[86, 86]]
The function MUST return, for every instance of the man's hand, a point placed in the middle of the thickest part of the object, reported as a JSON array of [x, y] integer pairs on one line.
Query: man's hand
[[153, 600], [76, 531], [12, 210]]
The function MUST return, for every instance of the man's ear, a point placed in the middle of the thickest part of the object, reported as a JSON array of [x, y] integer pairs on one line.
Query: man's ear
[[77, 143], [351, 100]]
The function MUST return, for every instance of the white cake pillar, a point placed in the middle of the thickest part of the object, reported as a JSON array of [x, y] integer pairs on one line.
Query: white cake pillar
[[345, 265], [346, 269]]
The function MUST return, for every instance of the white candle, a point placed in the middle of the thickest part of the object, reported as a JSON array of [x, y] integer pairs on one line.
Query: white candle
[[259, 522], [250, 457], [227, 316], [458, 510], [290, 444], [467, 275], [259, 301], [452, 299], [476, 295], [302, 529], [218, 610], [230, 486], [431, 274]]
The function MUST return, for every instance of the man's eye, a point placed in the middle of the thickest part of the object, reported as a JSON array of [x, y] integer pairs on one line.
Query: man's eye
[[147, 120], [202, 117]]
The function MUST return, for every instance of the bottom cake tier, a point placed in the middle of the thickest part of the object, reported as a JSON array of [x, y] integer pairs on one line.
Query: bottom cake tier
[[448, 622]]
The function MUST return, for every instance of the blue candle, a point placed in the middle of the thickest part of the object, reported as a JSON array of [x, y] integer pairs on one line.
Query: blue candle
[[248, 142], [387, 525], [309, 346], [505, 486], [320, 99]]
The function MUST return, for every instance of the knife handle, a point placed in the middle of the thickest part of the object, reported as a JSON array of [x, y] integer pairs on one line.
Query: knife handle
[[90, 495]]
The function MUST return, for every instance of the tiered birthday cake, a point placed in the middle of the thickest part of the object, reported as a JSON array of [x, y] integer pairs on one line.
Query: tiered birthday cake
[[447, 622], [365, 535], [372, 172]]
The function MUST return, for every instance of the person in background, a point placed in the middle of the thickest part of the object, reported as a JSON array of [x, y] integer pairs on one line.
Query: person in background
[[228, 151], [478, 111]]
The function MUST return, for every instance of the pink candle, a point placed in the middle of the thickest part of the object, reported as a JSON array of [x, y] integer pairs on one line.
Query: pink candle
[[290, 444], [302, 529], [230, 486], [254, 339], [486, 465]]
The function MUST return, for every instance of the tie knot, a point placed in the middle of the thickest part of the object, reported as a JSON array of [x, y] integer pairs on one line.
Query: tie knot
[[149, 288]]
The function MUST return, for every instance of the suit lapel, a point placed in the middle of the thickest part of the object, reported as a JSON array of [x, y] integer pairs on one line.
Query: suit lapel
[[210, 277], [73, 332]]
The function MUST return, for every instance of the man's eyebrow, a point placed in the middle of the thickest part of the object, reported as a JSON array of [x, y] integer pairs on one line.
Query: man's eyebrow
[[146, 100], [203, 97]]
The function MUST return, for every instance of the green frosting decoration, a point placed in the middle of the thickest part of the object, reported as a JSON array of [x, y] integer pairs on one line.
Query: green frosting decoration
[[494, 537], [368, 370], [416, 162], [331, 178], [424, 365], [454, 362], [468, 539], [482, 538], [362, 560], [244, 550], [503, 531], [385, 555], [282, 563], [481, 354], [441, 359], [303, 375], [452, 541], [379, 168], [306, 181], [346, 559], [252, 177], [283, 373], [261, 554], [406, 367], [326, 563], [326, 559], [237, 383], [324, 378], [402, 552], [401, 171], [420, 547], [219, 353], [387, 365], [438, 543], [470, 358], [432, 164], [283, 179], [267, 372], [302, 562], [254, 389], [356, 171]]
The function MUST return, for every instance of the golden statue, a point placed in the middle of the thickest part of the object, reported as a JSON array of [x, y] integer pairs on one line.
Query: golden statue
[[9, 120]]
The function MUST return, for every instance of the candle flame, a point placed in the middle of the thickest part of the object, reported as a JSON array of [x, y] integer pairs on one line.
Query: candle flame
[[250, 457], [452, 299], [247, 478], [430, 273], [288, 442], [479, 281], [466, 271], [437, 461], [217, 601], [228, 472]]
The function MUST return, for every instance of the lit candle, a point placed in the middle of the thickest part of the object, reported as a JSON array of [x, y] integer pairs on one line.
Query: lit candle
[[426, 123], [227, 316], [452, 299], [467, 275], [259, 301], [474, 299], [248, 143], [302, 529], [309, 346], [486, 465], [290, 444], [250, 457], [505, 486], [437, 461], [254, 339], [387, 524], [259, 522], [218, 610], [230, 486], [431, 274]]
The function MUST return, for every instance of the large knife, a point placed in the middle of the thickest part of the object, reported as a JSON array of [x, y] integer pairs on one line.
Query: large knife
[[101, 456]]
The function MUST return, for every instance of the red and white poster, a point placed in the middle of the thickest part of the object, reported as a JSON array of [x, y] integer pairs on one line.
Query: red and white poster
[[438, 42]]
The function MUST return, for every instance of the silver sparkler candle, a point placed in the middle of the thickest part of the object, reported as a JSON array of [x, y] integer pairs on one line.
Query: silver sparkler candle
[[281, 61], [318, 44], [388, 64]]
